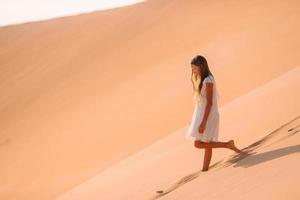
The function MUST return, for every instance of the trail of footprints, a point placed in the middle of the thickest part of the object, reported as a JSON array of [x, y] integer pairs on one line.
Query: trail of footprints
[[235, 157]]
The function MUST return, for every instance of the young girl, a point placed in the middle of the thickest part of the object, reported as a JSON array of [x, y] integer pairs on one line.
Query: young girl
[[204, 127]]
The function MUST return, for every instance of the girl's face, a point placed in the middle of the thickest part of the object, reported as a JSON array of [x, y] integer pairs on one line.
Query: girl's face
[[196, 69]]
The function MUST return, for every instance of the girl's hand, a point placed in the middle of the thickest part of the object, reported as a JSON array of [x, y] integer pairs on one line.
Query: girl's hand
[[201, 128]]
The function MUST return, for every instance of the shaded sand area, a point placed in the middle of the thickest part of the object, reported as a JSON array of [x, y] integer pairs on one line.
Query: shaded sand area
[[271, 162]]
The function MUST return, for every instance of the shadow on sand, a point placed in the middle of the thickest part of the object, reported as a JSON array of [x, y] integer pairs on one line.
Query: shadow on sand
[[248, 152]]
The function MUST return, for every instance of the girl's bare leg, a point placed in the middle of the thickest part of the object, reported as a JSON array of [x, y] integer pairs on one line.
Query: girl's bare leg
[[208, 149], [230, 145], [207, 159]]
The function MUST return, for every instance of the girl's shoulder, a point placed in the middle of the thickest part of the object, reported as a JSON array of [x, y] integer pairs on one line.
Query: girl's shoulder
[[209, 79]]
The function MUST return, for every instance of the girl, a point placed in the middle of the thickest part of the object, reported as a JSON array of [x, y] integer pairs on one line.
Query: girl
[[204, 127]]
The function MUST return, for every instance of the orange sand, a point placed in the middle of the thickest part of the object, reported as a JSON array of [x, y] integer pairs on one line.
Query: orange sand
[[95, 106]]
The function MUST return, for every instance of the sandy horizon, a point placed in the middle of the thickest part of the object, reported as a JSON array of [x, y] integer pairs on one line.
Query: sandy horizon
[[14, 13]]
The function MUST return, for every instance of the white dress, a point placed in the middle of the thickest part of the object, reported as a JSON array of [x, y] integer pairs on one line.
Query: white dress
[[211, 132]]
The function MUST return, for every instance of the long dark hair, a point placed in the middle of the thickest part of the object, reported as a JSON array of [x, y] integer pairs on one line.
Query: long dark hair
[[200, 61]]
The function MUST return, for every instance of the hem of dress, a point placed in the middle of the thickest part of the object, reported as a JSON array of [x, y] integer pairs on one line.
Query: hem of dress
[[198, 139]]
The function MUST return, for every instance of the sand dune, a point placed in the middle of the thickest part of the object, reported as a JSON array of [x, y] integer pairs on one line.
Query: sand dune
[[80, 93], [269, 140], [262, 180]]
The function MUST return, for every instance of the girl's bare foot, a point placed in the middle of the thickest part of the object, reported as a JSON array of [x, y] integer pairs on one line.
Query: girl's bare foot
[[232, 146]]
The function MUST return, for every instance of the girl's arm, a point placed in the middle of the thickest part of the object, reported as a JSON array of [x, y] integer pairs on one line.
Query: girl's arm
[[209, 95]]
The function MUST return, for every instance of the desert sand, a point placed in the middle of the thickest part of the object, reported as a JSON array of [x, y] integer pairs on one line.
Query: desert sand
[[96, 106]]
